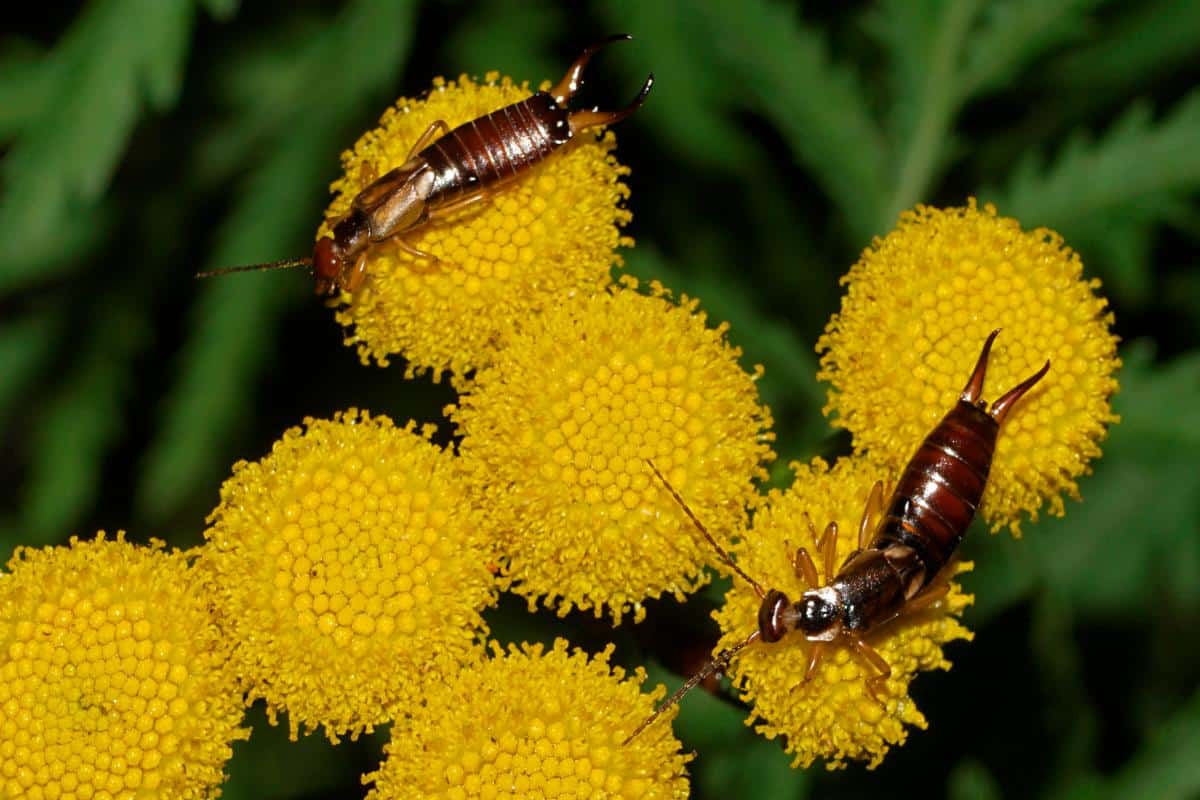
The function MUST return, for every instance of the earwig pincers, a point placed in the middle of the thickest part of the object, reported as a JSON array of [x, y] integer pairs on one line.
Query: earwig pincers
[[895, 570], [447, 173]]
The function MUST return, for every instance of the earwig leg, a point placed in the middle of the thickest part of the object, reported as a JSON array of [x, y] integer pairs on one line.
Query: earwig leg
[[458, 205], [427, 137], [877, 683], [923, 600], [873, 508], [828, 548], [412, 251], [806, 570], [1001, 407], [814, 658], [352, 279], [812, 531], [974, 388], [367, 173]]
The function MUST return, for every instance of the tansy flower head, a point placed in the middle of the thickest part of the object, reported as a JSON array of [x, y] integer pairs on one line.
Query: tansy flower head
[[341, 565], [834, 716], [530, 723], [920, 303], [557, 434], [113, 677], [545, 237]]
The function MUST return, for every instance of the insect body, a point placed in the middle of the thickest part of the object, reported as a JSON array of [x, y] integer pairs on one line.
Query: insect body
[[445, 174], [902, 546]]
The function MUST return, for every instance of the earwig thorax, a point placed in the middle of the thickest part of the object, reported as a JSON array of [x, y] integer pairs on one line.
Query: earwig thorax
[[819, 614]]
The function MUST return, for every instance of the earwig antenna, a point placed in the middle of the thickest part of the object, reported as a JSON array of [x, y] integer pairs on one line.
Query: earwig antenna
[[704, 531], [718, 664], [287, 263]]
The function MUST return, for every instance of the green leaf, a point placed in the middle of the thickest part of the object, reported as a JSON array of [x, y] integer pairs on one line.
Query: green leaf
[[1145, 41], [783, 70], [234, 319], [25, 347], [79, 423], [925, 49], [222, 10], [971, 780], [1166, 768], [511, 37], [23, 94], [1105, 196], [99, 77], [1011, 35], [693, 118]]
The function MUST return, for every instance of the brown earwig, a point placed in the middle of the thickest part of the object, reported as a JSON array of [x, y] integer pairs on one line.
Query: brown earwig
[[446, 174], [894, 571]]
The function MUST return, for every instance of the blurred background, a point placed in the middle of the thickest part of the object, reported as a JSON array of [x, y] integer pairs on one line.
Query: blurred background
[[144, 140]]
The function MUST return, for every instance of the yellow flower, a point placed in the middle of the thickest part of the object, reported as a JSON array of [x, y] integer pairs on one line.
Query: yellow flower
[[919, 305], [341, 565], [113, 677], [528, 723], [834, 716], [558, 430], [537, 242]]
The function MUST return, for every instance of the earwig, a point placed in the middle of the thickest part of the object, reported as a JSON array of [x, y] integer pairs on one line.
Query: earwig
[[445, 174], [895, 570]]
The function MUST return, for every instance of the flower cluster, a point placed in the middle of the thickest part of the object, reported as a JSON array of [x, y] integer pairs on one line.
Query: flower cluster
[[341, 565], [113, 676], [345, 574], [559, 435], [484, 733], [919, 304], [533, 244]]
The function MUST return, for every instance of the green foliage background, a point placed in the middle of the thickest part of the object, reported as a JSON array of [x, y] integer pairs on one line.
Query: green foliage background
[[144, 140]]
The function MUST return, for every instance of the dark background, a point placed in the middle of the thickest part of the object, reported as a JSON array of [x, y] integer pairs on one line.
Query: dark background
[[144, 140]]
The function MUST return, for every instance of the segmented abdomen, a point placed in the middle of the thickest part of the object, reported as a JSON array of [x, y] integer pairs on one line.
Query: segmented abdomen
[[940, 489], [495, 148]]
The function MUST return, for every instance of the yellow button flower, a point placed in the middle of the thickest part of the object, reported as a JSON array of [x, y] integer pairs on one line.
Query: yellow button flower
[[113, 677], [920, 303], [834, 716], [558, 431], [532, 723], [538, 241], [341, 565]]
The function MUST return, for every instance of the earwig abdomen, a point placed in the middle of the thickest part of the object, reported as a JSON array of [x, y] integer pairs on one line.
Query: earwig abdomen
[[940, 489], [495, 148]]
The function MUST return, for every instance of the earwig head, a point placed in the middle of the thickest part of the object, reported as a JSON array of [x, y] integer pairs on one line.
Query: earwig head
[[327, 265], [819, 614], [776, 616]]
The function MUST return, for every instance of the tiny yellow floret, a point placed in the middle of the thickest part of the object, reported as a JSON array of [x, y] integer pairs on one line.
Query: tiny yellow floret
[[557, 434], [833, 716], [535, 242], [919, 304], [114, 680], [532, 723], [343, 564]]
